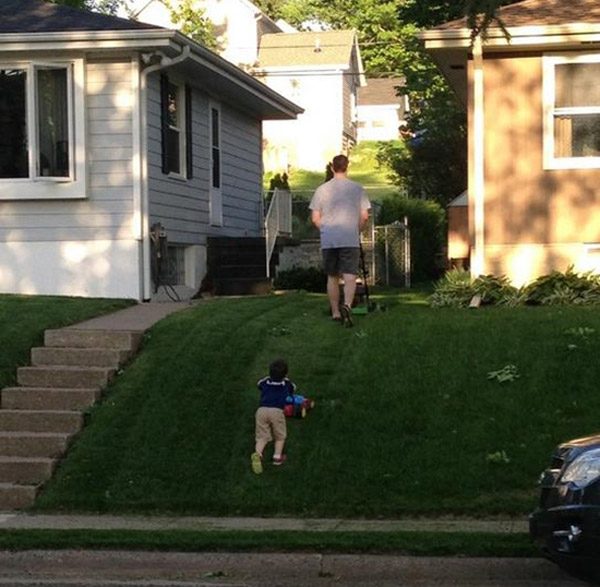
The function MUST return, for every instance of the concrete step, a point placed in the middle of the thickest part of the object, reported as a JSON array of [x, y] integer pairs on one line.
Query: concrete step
[[25, 470], [61, 377], [78, 357], [40, 421], [16, 497], [33, 444], [47, 398], [104, 339]]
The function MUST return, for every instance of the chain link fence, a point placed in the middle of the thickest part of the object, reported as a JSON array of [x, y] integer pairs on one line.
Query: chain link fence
[[386, 251]]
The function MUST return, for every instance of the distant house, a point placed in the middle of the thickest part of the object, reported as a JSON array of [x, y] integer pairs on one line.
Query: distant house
[[321, 72], [239, 25], [381, 110], [113, 135], [533, 106]]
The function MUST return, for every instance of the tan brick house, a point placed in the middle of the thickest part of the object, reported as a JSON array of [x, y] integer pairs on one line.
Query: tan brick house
[[533, 104]]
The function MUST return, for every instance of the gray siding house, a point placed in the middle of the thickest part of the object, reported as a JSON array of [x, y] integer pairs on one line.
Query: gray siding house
[[122, 146]]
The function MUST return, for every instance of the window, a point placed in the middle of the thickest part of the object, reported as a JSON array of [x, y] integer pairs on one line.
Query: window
[[41, 124], [176, 113], [216, 201], [571, 111]]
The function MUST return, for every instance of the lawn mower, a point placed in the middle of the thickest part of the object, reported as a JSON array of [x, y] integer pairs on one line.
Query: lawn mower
[[362, 304], [297, 406]]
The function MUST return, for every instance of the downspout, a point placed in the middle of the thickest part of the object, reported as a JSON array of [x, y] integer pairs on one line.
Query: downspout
[[144, 204], [478, 260]]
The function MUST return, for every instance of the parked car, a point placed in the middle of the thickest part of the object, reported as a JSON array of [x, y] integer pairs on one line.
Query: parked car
[[566, 525]]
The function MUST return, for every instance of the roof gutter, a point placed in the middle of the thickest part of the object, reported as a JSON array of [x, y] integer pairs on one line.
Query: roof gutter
[[141, 195]]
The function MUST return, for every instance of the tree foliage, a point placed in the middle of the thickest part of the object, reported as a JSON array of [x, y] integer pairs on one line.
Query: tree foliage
[[192, 22]]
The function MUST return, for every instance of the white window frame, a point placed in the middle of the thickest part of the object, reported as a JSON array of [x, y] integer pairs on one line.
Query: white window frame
[[37, 186], [180, 128], [549, 63], [215, 193]]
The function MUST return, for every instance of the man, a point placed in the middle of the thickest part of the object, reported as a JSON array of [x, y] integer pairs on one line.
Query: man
[[339, 209]]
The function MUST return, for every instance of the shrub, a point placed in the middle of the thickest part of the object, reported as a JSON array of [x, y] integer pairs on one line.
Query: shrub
[[564, 288], [307, 278], [457, 288], [427, 223]]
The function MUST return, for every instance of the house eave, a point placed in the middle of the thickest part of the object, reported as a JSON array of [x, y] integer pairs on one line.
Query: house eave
[[257, 97]]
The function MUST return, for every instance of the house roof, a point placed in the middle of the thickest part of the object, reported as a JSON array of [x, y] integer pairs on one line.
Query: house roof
[[541, 13], [533, 25], [307, 49], [37, 25], [37, 16], [380, 91]]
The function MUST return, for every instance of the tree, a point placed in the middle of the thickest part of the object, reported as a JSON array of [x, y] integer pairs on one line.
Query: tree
[[191, 21]]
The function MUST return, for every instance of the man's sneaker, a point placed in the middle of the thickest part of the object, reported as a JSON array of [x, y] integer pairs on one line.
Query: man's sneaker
[[279, 460], [256, 462], [346, 313]]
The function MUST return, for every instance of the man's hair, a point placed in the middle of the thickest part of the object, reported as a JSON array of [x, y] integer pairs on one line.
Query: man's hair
[[340, 163], [278, 369]]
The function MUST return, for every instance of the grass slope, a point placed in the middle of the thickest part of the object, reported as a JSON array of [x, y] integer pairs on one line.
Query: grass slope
[[363, 169], [406, 422]]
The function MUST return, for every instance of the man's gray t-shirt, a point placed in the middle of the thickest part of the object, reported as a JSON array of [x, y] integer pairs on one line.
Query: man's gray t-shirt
[[340, 202]]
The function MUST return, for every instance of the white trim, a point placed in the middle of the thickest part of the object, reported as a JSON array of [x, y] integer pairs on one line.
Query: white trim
[[478, 260], [549, 63], [47, 188]]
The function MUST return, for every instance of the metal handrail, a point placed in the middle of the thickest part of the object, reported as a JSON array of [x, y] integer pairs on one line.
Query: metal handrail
[[278, 222]]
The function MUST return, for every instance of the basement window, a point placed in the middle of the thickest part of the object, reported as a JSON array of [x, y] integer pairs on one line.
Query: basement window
[[571, 96]]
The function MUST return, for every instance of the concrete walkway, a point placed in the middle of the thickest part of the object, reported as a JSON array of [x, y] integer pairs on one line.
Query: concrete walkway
[[136, 318]]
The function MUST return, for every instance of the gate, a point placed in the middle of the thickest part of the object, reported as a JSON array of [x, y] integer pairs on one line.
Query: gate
[[387, 254]]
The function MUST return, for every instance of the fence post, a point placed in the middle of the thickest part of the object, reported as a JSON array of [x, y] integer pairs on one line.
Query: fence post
[[406, 254]]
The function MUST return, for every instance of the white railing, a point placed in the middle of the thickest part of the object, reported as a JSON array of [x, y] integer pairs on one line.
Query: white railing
[[278, 222]]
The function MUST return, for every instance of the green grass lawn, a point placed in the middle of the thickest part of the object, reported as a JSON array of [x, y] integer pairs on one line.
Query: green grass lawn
[[406, 420], [23, 320], [363, 168]]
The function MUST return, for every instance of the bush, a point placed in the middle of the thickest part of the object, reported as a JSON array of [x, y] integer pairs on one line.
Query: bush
[[564, 288], [305, 278], [457, 288], [427, 224]]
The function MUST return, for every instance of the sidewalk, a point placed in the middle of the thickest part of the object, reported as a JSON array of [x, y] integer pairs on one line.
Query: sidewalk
[[156, 523], [136, 318]]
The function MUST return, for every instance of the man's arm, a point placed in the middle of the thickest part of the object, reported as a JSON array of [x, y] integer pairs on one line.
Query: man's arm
[[364, 216], [316, 218]]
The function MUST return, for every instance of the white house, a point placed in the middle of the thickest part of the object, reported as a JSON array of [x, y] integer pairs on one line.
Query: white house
[[320, 71], [110, 127], [239, 25], [380, 110]]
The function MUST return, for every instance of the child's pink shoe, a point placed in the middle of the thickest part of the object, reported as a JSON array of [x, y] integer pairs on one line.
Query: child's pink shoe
[[279, 460]]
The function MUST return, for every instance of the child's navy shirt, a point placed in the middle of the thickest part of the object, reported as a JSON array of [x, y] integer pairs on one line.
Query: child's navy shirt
[[274, 393]]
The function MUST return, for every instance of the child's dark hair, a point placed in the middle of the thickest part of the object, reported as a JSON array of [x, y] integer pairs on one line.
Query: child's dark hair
[[278, 369]]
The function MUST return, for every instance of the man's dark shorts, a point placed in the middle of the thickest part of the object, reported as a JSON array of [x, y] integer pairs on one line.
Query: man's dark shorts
[[341, 260]]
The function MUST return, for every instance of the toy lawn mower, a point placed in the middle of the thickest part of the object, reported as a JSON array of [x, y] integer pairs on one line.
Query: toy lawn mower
[[297, 406]]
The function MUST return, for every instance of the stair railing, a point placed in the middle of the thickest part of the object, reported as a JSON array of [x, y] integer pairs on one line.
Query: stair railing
[[278, 222]]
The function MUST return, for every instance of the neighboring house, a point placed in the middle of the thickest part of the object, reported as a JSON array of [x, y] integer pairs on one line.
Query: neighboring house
[[321, 72], [108, 128], [534, 135], [239, 25], [380, 111]]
